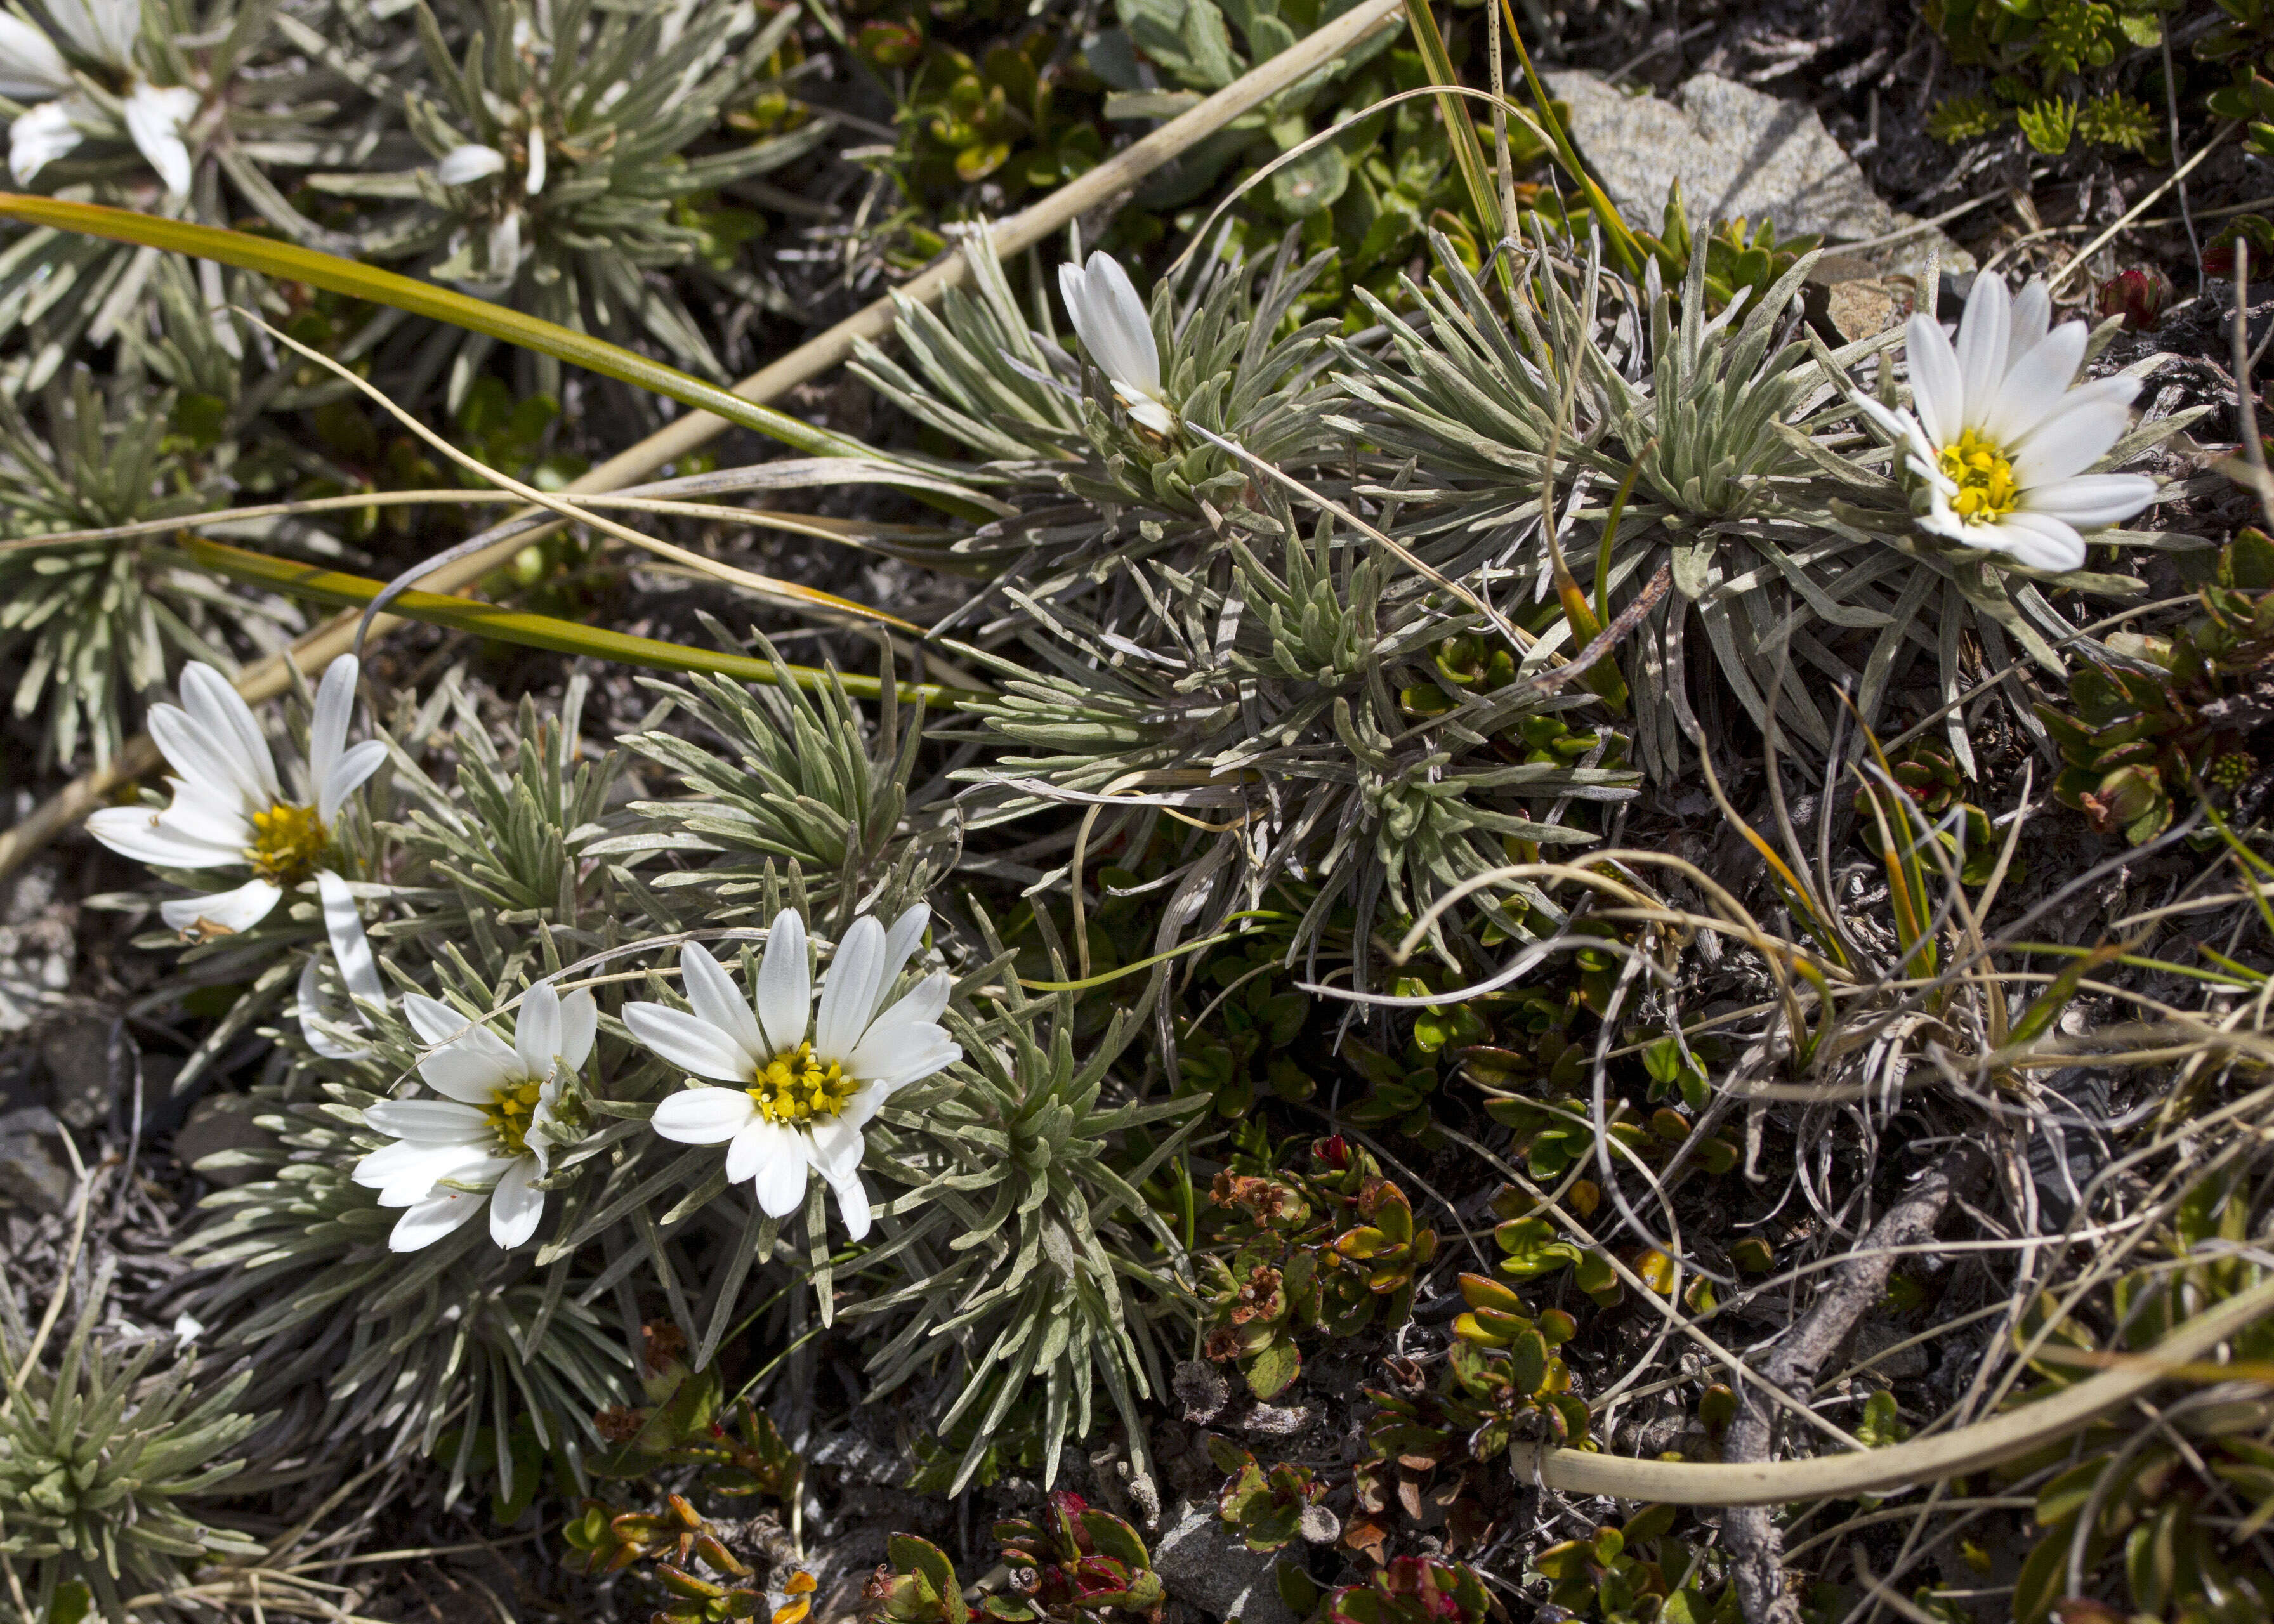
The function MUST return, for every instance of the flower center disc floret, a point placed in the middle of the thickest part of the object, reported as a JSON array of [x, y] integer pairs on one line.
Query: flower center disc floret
[[510, 1113], [288, 843], [1984, 476], [798, 1088]]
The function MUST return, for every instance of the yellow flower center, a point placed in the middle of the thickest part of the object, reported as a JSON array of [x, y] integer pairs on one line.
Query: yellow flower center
[[288, 843], [510, 1113], [1984, 476], [796, 1088]]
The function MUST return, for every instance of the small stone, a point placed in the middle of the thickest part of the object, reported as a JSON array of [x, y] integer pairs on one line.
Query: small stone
[[1276, 1421], [1208, 1567], [90, 1061], [30, 1174], [1859, 310], [1200, 1387], [1737, 154]]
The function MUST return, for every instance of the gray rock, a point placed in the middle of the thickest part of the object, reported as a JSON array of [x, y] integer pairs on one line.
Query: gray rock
[[1737, 152], [90, 1062], [31, 1173], [38, 939], [1207, 1566]]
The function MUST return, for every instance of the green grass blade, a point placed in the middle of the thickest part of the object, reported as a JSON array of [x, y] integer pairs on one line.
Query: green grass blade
[[1468, 152], [289, 262], [534, 631]]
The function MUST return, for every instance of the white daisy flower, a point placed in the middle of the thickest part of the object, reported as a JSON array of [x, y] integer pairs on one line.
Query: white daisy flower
[[1999, 439], [491, 1134], [229, 810], [801, 1084], [104, 33], [1119, 336]]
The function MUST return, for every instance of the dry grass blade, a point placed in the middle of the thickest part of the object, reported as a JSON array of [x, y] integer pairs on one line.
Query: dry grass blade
[[1879, 1471], [764, 586]]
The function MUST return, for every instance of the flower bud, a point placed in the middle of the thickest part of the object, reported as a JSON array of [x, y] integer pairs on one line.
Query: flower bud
[[2140, 295]]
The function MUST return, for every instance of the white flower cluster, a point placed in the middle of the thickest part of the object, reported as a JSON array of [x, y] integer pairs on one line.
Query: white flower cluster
[[786, 1087]]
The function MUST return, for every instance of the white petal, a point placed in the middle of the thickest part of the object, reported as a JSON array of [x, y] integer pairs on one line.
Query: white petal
[[327, 728], [156, 118], [719, 1004], [2074, 438], [1149, 412], [850, 991], [344, 925], [505, 246], [537, 1030], [213, 762], [47, 132], [1122, 336], [851, 1203], [427, 1222], [923, 1002], [105, 29], [515, 1208], [383, 1166], [2033, 316], [689, 1042], [428, 1122], [1940, 519], [144, 834], [347, 774], [901, 1030], [832, 1144], [222, 913], [580, 1021], [2091, 500], [916, 1060], [214, 704], [1982, 337], [308, 995], [905, 936], [472, 1063], [746, 1151], [779, 1179], [31, 68], [1899, 425], [1938, 389], [404, 1172], [2035, 540], [535, 181], [464, 165], [2035, 385], [214, 816], [785, 989], [702, 1115], [1103, 331], [434, 1022]]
